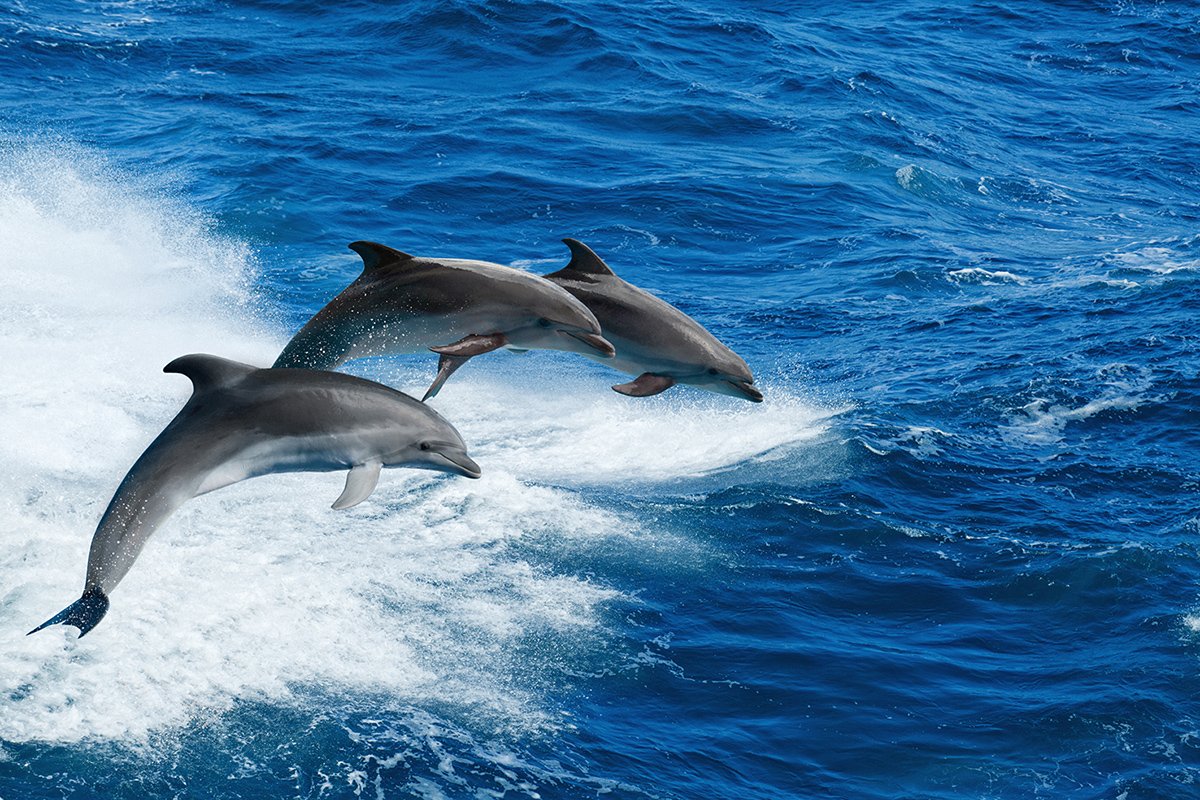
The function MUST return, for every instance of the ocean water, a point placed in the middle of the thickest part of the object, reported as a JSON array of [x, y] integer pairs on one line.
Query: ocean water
[[953, 555]]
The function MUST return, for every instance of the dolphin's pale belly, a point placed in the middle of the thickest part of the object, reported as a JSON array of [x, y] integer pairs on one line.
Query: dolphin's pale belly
[[324, 453], [637, 357], [397, 334]]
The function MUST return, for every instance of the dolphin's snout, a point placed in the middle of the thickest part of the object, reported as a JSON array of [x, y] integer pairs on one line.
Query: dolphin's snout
[[594, 341], [747, 390], [463, 464]]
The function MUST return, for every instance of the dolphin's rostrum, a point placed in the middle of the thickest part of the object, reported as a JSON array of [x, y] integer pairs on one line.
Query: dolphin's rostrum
[[654, 340], [457, 308], [242, 422]]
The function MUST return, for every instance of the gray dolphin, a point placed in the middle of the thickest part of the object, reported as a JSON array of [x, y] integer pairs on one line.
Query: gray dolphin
[[242, 422], [654, 340], [456, 308]]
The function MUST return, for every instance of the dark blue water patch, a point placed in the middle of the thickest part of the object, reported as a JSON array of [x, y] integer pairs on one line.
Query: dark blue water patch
[[879, 612], [341, 752]]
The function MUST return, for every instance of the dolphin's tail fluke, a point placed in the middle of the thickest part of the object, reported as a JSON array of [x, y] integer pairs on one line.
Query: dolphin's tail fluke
[[85, 613]]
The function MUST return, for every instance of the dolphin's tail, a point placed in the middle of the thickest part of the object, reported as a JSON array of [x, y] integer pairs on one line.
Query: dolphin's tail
[[85, 613]]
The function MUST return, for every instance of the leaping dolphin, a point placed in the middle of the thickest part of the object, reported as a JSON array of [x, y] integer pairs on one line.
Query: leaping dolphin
[[654, 340], [242, 422], [457, 308]]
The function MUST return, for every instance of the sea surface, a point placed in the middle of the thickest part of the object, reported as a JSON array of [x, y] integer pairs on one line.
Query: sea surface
[[955, 554]]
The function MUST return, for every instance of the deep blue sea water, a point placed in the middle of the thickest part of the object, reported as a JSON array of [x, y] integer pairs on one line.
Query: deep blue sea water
[[953, 555]]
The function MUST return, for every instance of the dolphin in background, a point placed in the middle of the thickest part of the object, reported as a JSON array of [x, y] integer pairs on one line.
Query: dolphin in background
[[654, 340], [242, 422], [457, 308]]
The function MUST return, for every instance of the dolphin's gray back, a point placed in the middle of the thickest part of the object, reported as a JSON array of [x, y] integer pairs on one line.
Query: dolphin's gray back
[[293, 403], [411, 305]]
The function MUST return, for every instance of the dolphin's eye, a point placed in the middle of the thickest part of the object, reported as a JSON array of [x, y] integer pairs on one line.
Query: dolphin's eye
[[545, 323], [426, 446], [713, 371]]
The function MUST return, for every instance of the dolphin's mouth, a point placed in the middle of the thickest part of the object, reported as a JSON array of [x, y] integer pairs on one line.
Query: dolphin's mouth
[[747, 390], [461, 462], [594, 341]]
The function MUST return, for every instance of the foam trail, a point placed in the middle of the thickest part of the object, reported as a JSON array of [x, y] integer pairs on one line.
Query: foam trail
[[603, 438]]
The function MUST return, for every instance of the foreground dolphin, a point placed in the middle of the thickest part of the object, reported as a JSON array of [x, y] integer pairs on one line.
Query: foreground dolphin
[[242, 422], [457, 308], [654, 340]]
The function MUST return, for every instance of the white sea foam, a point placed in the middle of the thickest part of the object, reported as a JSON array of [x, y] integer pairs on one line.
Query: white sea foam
[[1121, 388], [1136, 266], [421, 594], [1158, 258], [1043, 422], [601, 437], [984, 277], [906, 175]]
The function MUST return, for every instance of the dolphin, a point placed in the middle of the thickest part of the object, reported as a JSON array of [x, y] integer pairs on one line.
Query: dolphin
[[654, 340], [457, 308], [242, 422]]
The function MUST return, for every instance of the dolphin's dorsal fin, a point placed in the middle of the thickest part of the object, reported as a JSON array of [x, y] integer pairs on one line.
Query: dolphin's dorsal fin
[[376, 255], [209, 372], [584, 260]]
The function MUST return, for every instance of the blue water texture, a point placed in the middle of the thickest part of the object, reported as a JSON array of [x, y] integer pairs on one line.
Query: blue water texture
[[964, 237]]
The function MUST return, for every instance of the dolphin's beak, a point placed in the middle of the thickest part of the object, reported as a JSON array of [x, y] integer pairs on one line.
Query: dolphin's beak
[[594, 341], [747, 390], [461, 463]]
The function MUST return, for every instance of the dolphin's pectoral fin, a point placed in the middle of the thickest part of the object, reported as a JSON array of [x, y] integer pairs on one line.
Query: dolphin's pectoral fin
[[473, 345], [446, 367], [85, 613], [455, 355], [645, 385], [360, 482]]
